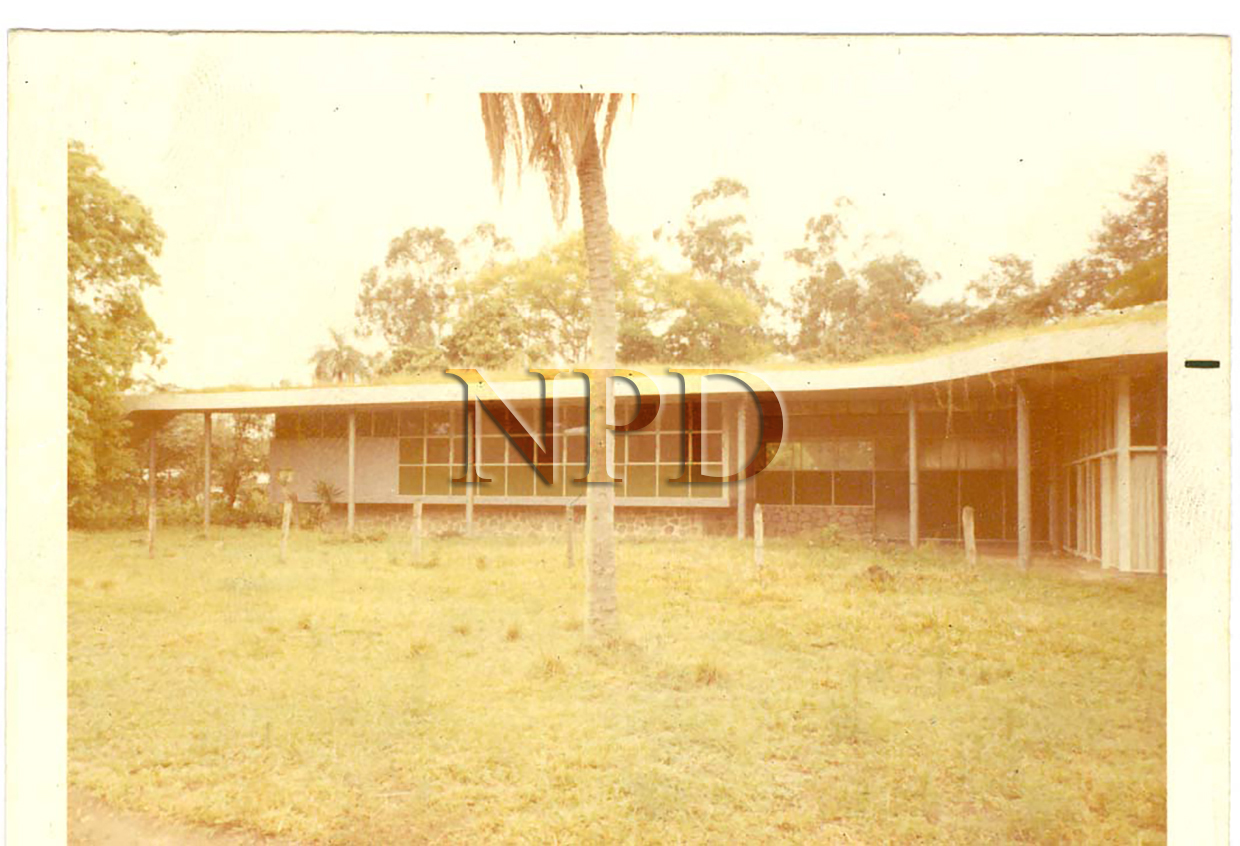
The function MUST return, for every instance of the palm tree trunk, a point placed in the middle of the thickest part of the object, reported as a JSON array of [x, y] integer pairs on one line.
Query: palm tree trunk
[[600, 498]]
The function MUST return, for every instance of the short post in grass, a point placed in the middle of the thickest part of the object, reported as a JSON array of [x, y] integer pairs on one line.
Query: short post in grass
[[415, 531], [570, 526], [285, 478], [150, 529], [970, 540], [757, 540], [284, 526]]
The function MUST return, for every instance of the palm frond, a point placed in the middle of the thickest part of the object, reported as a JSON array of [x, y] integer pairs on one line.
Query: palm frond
[[503, 129], [547, 132], [613, 108]]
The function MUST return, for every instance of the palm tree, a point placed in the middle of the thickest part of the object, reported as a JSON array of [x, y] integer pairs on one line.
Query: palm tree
[[339, 361], [559, 134]]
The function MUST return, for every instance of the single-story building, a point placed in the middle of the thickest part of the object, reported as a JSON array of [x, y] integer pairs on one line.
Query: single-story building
[[1056, 438]]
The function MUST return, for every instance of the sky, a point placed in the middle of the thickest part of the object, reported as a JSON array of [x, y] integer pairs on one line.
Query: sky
[[281, 167]]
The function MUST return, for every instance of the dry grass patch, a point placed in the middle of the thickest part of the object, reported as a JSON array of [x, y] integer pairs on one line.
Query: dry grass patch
[[338, 699]]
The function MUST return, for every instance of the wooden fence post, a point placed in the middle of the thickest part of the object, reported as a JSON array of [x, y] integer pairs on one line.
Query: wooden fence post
[[757, 539], [288, 518], [150, 529], [970, 541], [416, 531], [570, 528]]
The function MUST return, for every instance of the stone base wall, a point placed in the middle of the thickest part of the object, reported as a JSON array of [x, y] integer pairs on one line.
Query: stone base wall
[[547, 521], [782, 520]]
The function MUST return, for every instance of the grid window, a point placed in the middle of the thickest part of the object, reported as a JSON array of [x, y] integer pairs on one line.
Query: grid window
[[426, 452], [432, 445], [650, 459], [820, 471]]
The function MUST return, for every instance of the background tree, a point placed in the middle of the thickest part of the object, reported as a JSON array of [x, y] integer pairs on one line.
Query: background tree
[[482, 248], [893, 318], [1008, 278], [1005, 295], [716, 240], [406, 300], [546, 299], [112, 239], [414, 301], [1138, 234], [846, 313], [550, 294], [243, 454], [826, 297], [706, 322], [1135, 237], [1146, 282], [489, 333], [239, 447], [339, 361], [560, 136]]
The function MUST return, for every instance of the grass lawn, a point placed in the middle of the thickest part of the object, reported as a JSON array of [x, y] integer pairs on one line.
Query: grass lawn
[[353, 696]]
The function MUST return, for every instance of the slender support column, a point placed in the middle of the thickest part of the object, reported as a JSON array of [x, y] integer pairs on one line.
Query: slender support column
[[1162, 485], [1123, 472], [742, 487], [1024, 510], [351, 485], [1053, 508], [206, 471], [150, 495], [1082, 527], [473, 458], [913, 505], [1104, 515]]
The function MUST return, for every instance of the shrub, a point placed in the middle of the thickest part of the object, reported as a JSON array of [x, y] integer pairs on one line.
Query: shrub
[[828, 535], [552, 666], [707, 673], [327, 494], [108, 512]]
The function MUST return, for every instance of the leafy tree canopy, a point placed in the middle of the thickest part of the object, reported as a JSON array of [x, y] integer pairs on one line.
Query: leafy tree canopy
[[409, 300], [112, 238], [545, 302], [1146, 282], [716, 240], [406, 299], [706, 323], [1133, 237], [848, 312], [238, 455]]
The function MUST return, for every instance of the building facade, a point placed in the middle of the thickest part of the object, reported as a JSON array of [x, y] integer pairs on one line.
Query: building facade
[[1057, 442]]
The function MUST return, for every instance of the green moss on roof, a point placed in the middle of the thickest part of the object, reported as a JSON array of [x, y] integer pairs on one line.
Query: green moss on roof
[[1148, 313]]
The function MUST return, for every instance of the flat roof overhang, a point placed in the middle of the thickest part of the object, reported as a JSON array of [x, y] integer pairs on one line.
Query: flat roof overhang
[[1042, 357]]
